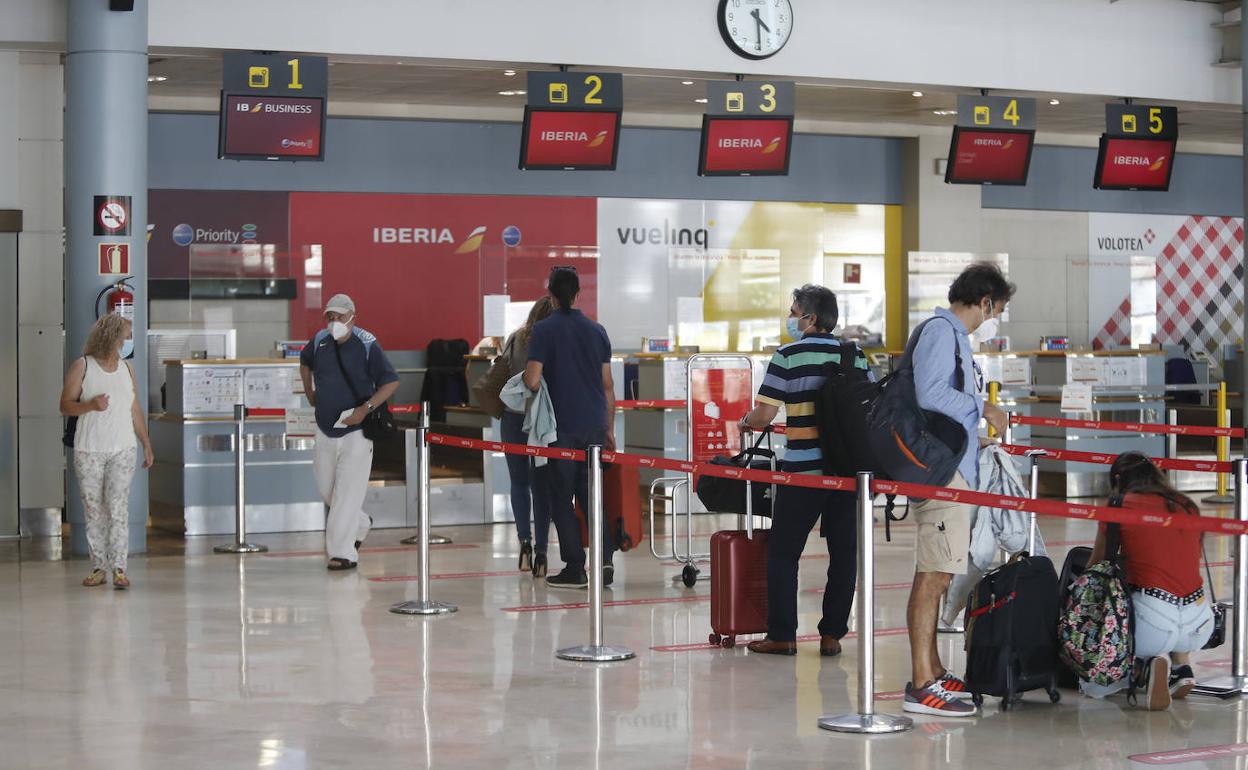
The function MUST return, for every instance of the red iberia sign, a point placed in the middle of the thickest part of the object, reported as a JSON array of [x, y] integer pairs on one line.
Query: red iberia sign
[[753, 146], [1134, 164], [559, 139]]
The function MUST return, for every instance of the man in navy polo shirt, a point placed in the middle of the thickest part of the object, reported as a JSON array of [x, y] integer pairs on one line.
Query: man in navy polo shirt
[[352, 377], [572, 355]]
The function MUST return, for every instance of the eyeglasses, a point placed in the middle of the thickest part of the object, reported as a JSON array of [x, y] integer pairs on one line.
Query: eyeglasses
[[557, 268]]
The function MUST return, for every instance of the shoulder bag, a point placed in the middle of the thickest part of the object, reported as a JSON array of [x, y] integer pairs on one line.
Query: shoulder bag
[[379, 423], [71, 423], [487, 389]]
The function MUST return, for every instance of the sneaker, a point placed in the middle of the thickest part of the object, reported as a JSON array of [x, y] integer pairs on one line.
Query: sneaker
[[936, 701], [1182, 680], [568, 578], [955, 686], [608, 575], [1157, 683]]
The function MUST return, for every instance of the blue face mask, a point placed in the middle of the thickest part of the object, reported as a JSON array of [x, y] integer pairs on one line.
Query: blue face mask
[[791, 326], [127, 348]]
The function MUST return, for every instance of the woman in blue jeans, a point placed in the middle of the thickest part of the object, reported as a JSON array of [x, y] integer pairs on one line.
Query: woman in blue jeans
[[1173, 615], [519, 467]]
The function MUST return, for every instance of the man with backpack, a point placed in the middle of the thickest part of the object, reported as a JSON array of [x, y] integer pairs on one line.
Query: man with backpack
[[977, 298], [794, 377]]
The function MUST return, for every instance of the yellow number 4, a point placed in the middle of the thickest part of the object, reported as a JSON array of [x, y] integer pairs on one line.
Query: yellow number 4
[[1011, 112]]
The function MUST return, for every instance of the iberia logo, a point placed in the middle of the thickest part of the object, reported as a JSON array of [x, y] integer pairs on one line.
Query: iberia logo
[[258, 106], [472, 242], [1008, 144], [772, 146], [598, 139], [1157, 164]]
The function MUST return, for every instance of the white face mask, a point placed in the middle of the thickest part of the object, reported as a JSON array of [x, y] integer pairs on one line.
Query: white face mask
[[338, 330], [989, 328]]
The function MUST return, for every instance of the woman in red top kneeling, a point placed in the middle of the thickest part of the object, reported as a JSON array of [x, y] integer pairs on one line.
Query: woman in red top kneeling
[[1173, 616]]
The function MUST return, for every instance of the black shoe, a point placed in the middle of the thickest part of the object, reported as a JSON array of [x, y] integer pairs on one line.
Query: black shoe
[[608, 574], [569, 578], [526, 556], [1182, 680], [539, 564]]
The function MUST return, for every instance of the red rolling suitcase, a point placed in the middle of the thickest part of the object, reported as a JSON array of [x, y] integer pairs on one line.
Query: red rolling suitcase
[[738, 585], [621, 506]]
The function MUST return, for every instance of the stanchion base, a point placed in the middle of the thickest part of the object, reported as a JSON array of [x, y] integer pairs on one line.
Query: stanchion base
[[1223, 687], [240, 548], [591, 654], [1218, 499], [871, 724], [424, 608], [433, 540], [954, 629]]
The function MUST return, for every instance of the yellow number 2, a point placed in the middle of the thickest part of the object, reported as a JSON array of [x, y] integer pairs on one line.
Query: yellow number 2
[[1154, 120], [1011, 112], [595, 85], [769, 97], [295, 85]]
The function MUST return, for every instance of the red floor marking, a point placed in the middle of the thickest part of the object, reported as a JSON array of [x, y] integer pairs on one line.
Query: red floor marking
[[890, 695], [620, 603], [379, 549], [447, 576], [1191, 755], [800, 640]]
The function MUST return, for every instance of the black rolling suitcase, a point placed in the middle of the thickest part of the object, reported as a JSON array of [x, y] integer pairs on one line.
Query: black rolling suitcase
[[1011, 631], [1076, 562]]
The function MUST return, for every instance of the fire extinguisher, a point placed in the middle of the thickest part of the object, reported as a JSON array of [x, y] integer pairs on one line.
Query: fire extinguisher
[[119, 299]]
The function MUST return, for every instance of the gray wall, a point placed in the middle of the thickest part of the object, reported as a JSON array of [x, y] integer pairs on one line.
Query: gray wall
[[1061, 180], [422, 156]]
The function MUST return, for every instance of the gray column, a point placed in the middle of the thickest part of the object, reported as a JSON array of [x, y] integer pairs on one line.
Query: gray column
[[105, 154]]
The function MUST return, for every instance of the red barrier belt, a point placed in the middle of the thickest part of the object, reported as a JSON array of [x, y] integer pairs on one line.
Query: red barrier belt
[[1128, 427], [266, 412], [405, 408], [1046, 507], [634, 404], [1098, 458]]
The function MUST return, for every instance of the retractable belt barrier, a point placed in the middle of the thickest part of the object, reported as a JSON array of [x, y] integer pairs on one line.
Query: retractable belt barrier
[[1127, 427], [1158, 518], [1101, 458]]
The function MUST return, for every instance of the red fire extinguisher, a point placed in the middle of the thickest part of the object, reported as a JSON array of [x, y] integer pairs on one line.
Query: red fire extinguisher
[[119, 298]]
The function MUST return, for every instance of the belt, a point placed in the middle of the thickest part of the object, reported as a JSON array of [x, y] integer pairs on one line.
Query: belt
[[1169, 598]]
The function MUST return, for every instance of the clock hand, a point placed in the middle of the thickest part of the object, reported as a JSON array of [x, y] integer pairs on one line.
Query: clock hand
[[758, 30], [760, 21]]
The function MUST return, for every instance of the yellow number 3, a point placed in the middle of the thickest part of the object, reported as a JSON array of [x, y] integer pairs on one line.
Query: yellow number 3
[[769, 97]]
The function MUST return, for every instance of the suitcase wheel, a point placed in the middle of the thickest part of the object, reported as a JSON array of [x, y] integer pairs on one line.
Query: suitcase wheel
[[728, 642], [1007, 703], [714, 639], [689, 575], [977, 699], [1054, 695]]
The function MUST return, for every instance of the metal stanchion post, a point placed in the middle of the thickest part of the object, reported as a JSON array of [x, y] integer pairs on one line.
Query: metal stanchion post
[[866, 720], [1224, 451], [1034, 455], [1172, 442], [595, 651], [416, 443], [433, 539], [240, 544], [1237, 682]]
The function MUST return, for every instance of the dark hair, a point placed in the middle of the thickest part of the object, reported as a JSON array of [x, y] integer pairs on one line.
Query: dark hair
[[979, 280], [564, 285], [1134, 473], [820, 302]]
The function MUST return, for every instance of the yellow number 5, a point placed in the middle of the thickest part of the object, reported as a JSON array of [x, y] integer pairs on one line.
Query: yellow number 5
[[1154, 120], [595, 85], [769, 97]]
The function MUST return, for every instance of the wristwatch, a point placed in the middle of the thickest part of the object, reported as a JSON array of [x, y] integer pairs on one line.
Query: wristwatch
[[369, 405]]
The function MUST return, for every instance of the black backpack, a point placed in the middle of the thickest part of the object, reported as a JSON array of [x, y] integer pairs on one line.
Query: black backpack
[[842, 409]]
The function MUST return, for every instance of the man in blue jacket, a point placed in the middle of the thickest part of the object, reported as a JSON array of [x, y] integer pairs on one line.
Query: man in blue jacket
[[977, 299]]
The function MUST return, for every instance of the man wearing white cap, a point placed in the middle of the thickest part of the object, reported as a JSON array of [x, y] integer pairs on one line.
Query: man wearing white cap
[[352, 377]]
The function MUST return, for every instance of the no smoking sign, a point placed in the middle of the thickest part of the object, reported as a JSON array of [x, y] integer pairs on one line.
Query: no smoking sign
[[112, 215]]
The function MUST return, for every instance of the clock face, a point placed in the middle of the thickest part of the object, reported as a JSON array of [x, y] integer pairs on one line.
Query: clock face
[[755, 29]]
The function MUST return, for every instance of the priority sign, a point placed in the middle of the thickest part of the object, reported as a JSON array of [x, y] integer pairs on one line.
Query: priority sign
[[112, 215], [114, 258]]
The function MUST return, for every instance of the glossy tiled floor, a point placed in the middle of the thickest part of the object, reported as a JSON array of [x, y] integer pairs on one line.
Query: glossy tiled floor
[[271, 662]]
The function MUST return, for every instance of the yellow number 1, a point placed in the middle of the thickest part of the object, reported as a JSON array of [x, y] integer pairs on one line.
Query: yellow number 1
[[1011, 112], [295, 85]]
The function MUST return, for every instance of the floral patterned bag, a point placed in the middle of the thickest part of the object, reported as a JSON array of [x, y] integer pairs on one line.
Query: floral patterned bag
[[1095, 635]]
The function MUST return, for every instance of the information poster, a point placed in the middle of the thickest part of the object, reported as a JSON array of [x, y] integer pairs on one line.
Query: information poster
[[300, 423], [720, 398], [675, 386], [272, 388], [211, 390], [1016, 371]]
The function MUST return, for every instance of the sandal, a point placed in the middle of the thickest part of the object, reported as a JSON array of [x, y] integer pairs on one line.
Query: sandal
[[120, 581], [96, 578], [338, 565]]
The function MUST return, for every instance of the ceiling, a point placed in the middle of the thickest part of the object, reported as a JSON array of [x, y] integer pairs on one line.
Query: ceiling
[[370, 87]]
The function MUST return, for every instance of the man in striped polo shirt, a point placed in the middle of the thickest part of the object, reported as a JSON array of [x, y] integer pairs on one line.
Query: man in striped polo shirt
[[793, 380]]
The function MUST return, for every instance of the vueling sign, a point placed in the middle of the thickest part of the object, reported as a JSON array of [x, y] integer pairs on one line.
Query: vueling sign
[[665, 236]]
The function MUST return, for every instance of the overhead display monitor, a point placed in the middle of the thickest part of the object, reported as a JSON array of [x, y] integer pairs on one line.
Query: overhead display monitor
[[996, 156], [745, 146], [573, 140], [272, 128], [273, 106], [1134, 164]]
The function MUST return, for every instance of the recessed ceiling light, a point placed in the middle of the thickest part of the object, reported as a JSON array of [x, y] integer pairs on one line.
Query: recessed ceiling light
[[1055, 102], [701, 100], [506, 93], [944, 112], [509, 73], [521, 93], [686, 82], [156, 78], [916, 93]]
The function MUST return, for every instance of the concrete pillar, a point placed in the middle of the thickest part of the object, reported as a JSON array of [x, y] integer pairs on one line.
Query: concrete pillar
[[105, 154]]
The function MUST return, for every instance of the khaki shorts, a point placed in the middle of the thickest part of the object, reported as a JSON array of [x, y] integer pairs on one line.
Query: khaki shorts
[[944, 533]]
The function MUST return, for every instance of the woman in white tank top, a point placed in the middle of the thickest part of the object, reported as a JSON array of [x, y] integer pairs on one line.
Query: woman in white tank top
[[100, 392]]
